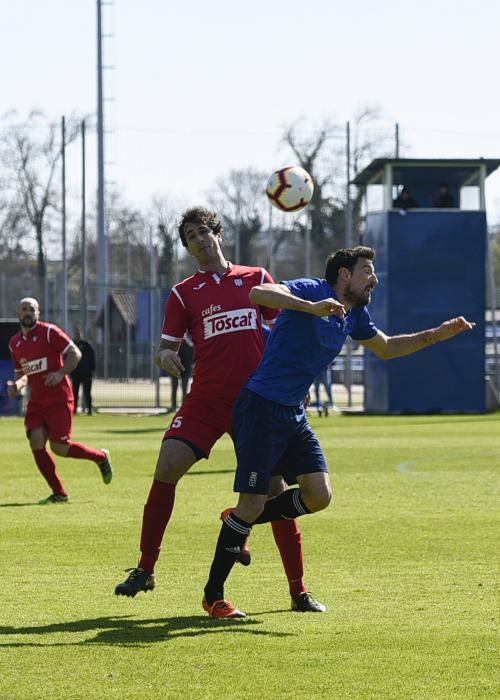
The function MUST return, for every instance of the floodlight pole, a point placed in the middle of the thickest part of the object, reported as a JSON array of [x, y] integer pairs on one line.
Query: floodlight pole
[[153, 314], [348, 243], [83, 278], [102, 241], [63, 216]]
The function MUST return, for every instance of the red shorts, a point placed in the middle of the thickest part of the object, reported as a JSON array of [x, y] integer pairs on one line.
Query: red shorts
[[201, 421], [56, 419]]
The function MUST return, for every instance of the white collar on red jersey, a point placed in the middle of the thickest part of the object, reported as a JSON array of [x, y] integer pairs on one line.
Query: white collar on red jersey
[[217, 277]]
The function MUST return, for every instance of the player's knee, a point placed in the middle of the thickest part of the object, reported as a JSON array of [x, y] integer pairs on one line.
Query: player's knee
[[319, 499], [327, 497], [249, 507], [60, 449], [174, 460], [277, 486], [169, 472]]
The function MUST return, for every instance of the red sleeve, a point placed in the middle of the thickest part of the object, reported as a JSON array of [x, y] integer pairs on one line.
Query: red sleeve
[[58, 339], [16, 364], [175, 322], [267, 313]]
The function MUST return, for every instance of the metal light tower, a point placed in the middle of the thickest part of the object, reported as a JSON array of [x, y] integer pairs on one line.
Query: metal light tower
[[83, 279], [63, 213], [102, 239]]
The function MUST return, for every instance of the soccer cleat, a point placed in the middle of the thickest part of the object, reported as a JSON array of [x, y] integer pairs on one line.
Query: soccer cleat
[[245, 556], [304, 602], [222, 609], [53, 498], [137, 580], [105, 468]]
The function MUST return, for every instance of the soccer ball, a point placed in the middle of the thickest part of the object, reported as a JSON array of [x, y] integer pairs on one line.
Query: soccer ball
[[290, 188]]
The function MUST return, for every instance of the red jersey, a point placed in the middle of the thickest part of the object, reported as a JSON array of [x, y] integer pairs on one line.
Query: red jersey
[[226, 328], [36, 355]]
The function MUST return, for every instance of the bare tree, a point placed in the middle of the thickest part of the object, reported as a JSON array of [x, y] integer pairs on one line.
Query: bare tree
[[31, 150], [313, 148], [163, 216], [128, 241], [368, 141], [239, 199], [322, 152], [13, 230]]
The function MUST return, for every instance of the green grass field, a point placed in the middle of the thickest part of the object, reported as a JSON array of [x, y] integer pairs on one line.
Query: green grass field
[[406, 559]]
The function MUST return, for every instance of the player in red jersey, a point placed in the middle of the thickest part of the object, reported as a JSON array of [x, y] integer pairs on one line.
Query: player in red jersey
[[213, 306], [43, 356]]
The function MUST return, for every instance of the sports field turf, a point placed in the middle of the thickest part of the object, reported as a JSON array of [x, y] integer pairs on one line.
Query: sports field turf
[[406, 560]]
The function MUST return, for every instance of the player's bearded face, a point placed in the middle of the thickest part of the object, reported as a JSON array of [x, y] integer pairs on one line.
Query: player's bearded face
[[363, 281], [356, 297], [28, 315]]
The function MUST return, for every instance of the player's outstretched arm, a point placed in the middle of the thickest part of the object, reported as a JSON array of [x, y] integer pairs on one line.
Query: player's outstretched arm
[[278, 296], [388, 347], [451, 328]]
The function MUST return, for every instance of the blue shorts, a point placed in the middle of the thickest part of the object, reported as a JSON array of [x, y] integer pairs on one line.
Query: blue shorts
[[271, 438]]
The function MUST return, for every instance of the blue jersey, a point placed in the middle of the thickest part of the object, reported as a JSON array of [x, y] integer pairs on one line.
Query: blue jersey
[[301, 344]]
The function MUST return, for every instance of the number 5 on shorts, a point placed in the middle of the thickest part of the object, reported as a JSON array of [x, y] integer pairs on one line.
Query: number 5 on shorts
[[177, 422]]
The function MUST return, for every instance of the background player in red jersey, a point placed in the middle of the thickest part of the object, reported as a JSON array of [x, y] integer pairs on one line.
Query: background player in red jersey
[[213, 306], [43, 356]]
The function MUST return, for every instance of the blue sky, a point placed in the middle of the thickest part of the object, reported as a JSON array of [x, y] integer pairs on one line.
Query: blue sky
[[199, 88]]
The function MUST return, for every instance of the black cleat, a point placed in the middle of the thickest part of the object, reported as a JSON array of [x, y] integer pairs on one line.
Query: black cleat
[[304, 602], [137, 580], [105, 468], [53, 498]]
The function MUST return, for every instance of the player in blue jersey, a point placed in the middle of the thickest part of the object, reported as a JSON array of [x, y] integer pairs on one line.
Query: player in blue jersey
[[271, 431]]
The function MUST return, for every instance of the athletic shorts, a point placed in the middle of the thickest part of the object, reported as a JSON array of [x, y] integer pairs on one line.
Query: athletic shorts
[[200, 422], [271, 438], [57, 419]]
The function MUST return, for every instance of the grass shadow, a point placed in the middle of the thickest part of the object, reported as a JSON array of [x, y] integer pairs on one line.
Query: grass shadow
[[45, 506], [126, 631], [21, 505]]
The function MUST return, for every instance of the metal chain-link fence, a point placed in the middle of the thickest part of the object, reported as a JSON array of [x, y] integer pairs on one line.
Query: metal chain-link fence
[[126, 377]]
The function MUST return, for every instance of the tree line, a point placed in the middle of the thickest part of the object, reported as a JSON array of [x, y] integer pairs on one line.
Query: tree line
[[30, 205]]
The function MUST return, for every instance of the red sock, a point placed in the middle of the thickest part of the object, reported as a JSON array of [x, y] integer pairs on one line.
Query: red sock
[[47, 468], [78, 450], [289, 541], [157, 512]]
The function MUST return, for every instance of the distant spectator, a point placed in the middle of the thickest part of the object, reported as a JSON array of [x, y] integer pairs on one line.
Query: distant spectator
[[445, 199], [404, 200], [324, 379], [186, 357], [84, 372]]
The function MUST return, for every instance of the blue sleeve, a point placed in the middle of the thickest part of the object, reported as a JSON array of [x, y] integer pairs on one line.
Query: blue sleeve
[[364, 328], [305, 288]]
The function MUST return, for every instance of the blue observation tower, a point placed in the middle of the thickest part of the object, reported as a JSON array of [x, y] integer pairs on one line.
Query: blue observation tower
[[426, 219]]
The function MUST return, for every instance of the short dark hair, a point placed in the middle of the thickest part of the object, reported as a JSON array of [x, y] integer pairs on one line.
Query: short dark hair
[[345, 257], [199, 215]]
